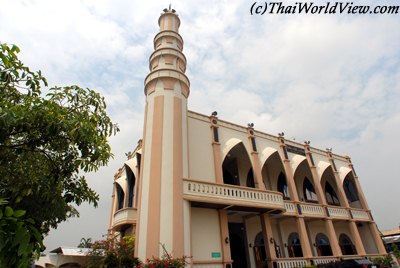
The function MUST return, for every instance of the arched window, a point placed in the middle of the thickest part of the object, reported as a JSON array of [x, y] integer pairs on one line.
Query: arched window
[[309, 192], [350, 190], [236, 165], [282, 186], [131, 185], [120, 196], [330, 195], [346, 245], [259, 250], [323, 245], [294, 246]]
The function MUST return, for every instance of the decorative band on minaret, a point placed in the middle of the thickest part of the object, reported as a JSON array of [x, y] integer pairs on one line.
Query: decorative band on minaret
[[167, 61]]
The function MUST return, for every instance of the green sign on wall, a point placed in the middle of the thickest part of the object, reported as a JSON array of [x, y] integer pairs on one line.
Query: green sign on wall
[[215, 254]]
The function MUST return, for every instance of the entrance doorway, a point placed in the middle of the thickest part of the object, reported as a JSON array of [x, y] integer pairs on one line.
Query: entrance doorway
[[237, 238], [259, 251]]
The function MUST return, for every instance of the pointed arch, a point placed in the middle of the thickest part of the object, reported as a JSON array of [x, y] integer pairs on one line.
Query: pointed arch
[[350, 189], [120, 196], [304, 183], [330, 187], [229, 145], [343, 172], [272, 170], [237, 168], [266, 154], [131, 180], [322, 166], [133, 164], [296, 161]]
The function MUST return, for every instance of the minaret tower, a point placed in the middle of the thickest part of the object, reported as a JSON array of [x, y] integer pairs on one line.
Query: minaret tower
[[163, 214]]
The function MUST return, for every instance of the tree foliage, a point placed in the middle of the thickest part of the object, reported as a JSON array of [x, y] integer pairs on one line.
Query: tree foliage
[[18, 237], [46, 140]]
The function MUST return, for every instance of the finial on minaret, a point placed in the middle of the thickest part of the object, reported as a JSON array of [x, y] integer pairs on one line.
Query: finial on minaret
[[169, 9]]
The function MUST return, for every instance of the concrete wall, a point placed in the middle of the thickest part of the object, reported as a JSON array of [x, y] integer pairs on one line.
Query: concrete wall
[[205, 234]]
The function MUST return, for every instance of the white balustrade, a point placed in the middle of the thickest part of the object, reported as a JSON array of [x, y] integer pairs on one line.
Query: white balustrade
[[231, 193], [360, 214], [290, 263], [290, 207], [124, 215], [324, 260], [312, 210], [336, 212]]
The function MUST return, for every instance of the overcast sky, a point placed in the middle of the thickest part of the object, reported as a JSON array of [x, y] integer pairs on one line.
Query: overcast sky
[[331, 79]]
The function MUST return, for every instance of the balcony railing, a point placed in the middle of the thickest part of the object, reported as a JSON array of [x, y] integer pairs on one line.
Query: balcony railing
[[290, 208], [360, 214], [124, 216], [232, 196], [324, 260], [338, 213], [312, 210], [293, 263]]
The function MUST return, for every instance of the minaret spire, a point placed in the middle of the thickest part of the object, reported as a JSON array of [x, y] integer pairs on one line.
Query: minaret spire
[[167, 63]]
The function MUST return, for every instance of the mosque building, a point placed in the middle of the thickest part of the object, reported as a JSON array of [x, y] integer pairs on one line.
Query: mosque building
[[228, 195]]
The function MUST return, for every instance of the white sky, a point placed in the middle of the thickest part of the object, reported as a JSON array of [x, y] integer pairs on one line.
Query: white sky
[[331, 79]]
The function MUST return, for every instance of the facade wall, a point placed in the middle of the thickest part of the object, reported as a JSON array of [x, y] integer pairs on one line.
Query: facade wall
[[205, 234], [201, 165], [367, 238], [200, 154]]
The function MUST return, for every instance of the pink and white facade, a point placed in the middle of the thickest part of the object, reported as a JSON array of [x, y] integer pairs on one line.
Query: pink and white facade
[[229, 195]]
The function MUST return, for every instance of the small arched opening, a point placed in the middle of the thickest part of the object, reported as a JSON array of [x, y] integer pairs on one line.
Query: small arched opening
[[294, 246], [259, 250], [350, 190], [323, 245], [346, 245], [330, 195], [308, 191], [120, 196], [282, 186], [131, 185]]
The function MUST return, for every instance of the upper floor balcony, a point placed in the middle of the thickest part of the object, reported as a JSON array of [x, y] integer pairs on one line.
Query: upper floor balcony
[[123, 217], [318, 211], [214, 195]]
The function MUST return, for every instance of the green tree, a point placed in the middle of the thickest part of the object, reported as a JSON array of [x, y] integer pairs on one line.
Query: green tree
[[46, 141], [18, 237]]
